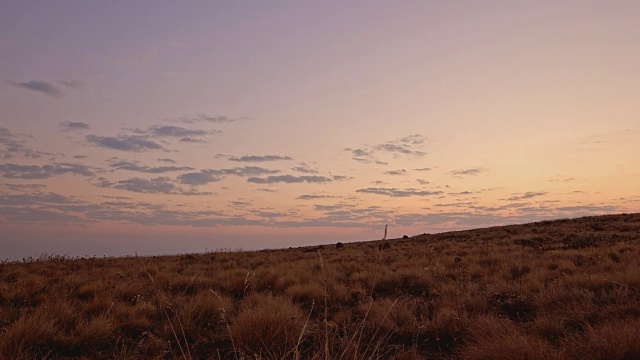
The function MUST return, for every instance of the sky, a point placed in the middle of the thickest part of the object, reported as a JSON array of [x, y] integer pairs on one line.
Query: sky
[[162, 127]]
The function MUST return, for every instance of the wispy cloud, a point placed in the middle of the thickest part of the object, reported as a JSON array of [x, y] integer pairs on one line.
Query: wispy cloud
[[10, 144], [200, 178], [74, 125], [396, 172], [255, 158], [408, 146], [39, 86], [177, 131], [70, 83], [152, 186], [157, 185], [289, 179], [16, 171], [203, 177], [305, 168], [124, 142], [315, 197], [134, 166], [217, 119], [527, 195], [192, 140], [466, 172], [394, 192]]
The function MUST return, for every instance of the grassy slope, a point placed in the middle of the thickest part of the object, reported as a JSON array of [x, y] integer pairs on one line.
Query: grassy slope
[[550, 290]]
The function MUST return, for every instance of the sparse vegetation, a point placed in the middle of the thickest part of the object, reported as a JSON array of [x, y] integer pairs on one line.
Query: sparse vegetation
[[566, 289]]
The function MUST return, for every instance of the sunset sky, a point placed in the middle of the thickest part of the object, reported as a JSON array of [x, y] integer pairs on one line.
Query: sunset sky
[[171, 127]]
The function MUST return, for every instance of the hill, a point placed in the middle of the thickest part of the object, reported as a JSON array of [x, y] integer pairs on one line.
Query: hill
[[564, 289]]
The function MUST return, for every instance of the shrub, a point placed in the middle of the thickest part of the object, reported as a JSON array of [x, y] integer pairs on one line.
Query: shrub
[[267, 327]]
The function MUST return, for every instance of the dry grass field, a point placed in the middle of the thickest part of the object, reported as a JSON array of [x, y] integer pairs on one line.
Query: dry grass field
[[565, 289]]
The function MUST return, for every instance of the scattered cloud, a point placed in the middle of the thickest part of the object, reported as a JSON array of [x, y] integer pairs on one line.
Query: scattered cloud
[[39, 86], [70, 83], [200, 178], [422, 182], [289, 179], [395, 172], [19, 187], [177, 131], [192, 140], [10, 144], [315, 197], [16, 171], [74, 125], [422, 169], [588, 209], [305, 168], [248, 171], [394, 192], [562, 179], [409, 146], [203, 177], [124, 142], [170, 161], [255, 158], [527, 195], [468, 172], [134, 166], [158, 185], [218, 119]]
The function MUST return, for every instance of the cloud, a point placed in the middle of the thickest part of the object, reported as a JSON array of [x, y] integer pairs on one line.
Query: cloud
[[406, 146], [177, 131], [314, 197], [400, 149], [40, 86], [219, 119], [132, 166], [471, 171], [289, 179], [70, 83], [11, 144], [192, 140], [393, 192], [562, 179], [422, 182], [360, 155], [527, 195], [255, 158], [19, 187], [170, 161], [16, 171], [304, 168], [74, 125], [588, 209], [159, 185], [203, 177], [395, 172], [422, 169], [409, 146], [124, 143], [200, 178], [248, 171]]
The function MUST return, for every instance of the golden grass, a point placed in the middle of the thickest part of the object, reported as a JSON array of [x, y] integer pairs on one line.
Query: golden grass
[[566, 289]]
